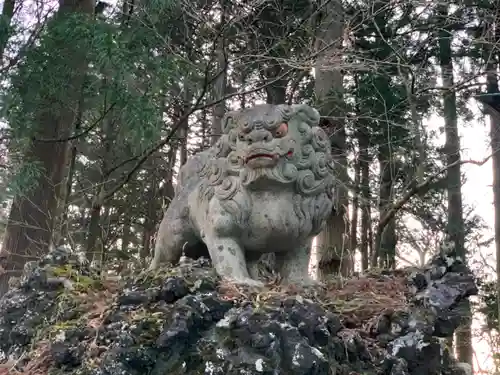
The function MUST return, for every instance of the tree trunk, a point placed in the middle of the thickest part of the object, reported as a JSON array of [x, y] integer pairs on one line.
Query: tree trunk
[[385, 243], [355, 207], [205, 130], [62, 231], [219, 90], [127, 233], [31, 219], [94, 248], [155, 208], [5, 25], [493, 109], [417, 140], [152, 207], [364, 165], [455, 227], [332, 243], [184, 126], [243, 97], [276, 91], [492, 88]]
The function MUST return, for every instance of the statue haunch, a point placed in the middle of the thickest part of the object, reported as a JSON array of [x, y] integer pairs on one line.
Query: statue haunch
[[265, 186]]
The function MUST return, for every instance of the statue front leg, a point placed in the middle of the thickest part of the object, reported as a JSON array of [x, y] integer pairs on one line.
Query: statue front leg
[[228, 259], [293, 265]]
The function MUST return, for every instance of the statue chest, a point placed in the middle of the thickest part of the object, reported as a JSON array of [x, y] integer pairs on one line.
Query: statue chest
[[273, 224]]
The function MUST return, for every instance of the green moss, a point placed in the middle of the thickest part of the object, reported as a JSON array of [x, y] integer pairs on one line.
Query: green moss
[[80, 282], [63, 326], [147, 326], [84, 283], [63, 271]]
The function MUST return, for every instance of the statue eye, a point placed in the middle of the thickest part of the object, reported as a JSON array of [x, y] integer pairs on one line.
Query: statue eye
[[282, 130]]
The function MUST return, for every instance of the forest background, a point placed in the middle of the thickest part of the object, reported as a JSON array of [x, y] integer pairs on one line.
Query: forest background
[[102, 102]]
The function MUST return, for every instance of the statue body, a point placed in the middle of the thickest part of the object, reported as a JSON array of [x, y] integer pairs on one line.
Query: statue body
[[265, 186]]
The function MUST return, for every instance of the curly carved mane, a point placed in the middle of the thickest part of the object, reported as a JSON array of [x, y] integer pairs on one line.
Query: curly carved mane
[[310, 170]]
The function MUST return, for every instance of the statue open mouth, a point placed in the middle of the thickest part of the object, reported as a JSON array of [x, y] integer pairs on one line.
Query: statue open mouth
[[262, 155]]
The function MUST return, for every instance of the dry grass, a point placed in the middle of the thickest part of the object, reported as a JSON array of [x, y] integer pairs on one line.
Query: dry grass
[[357, 301]]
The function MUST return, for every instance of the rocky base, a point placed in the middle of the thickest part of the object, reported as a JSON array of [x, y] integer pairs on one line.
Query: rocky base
[[63, 319]]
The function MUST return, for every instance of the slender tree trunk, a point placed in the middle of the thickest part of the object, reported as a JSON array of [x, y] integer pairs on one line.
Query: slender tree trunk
[[105, 237], [364, 165], [492, 88], [62, 230], [334, 256], [5, 25], [155, 210], [385, 243], [152, 208], [127, 234], [243, 97], [184, 127], [276, 91], [272, 67], [455, 226], [147, 237], [32, 216], [417, 140], [355, 207], [220, 84], [94, 248], [69, 186], [205, 126]]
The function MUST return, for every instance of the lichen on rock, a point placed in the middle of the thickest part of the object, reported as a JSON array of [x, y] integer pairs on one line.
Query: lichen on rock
[[64, 319]]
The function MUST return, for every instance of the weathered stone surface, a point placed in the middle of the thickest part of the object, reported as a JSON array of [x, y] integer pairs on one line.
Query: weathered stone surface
[[266, 187], [185, 320]]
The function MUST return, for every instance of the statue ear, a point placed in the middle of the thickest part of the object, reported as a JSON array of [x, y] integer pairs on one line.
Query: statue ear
[[309, 114], [229, 121]]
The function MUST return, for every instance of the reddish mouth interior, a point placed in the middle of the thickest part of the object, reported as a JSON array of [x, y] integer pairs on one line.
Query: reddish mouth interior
[[269, 156], [260, 156]]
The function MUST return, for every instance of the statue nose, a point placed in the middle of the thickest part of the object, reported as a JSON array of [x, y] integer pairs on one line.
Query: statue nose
[[258, 136]]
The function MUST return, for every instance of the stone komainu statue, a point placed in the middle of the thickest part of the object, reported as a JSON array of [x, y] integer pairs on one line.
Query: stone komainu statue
[[265, 186]]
